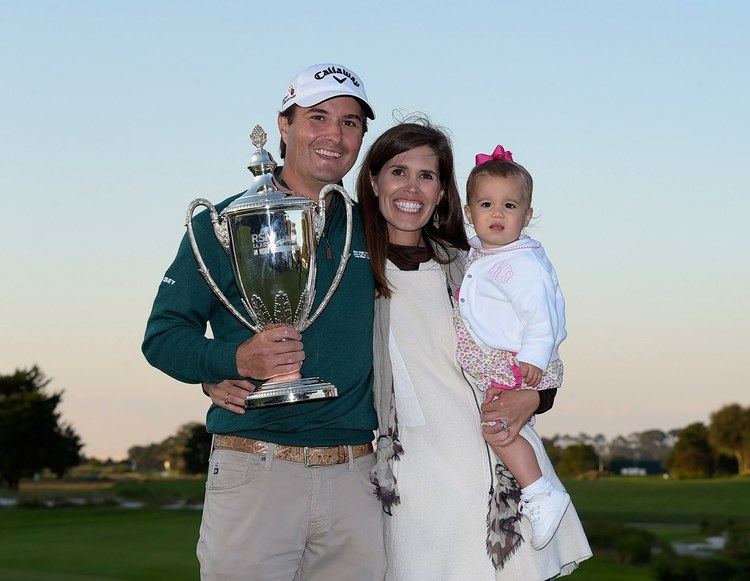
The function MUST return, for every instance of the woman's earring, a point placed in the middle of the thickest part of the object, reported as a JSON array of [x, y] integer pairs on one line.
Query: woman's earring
[[436, 219]]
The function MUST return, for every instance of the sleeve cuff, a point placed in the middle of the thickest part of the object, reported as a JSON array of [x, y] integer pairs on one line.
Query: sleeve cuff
[[223, 358], [534, 358]]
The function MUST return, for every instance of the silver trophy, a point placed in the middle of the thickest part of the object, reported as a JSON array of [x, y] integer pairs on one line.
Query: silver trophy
[[271, 236]]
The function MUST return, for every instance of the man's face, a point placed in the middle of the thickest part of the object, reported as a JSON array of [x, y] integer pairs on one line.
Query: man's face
[[322, 143]]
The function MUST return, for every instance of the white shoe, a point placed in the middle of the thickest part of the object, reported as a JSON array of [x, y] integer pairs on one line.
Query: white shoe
[[545, 512]]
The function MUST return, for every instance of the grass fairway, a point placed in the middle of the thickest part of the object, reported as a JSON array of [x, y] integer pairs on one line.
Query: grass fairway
[[654, 500], [73, 544], [671, 509], [77, 544], [606, 568]]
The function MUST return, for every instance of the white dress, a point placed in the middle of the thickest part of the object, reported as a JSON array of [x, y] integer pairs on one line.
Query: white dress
[[439, 530]]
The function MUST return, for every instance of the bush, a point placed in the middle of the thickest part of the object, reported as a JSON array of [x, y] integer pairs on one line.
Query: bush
[[738, 543], [672, 568], [576, 460], [632, 546], [590, 475], [692, 456]]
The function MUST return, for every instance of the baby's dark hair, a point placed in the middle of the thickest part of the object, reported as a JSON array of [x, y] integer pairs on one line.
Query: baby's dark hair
[[501, 168]]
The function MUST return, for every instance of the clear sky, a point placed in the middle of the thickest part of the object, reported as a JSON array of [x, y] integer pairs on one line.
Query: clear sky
[[631, 116]]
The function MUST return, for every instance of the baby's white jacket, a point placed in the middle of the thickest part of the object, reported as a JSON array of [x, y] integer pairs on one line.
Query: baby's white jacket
[[510, 299]]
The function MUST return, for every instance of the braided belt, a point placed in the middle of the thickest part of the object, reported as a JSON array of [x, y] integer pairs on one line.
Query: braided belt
[[306, 454]]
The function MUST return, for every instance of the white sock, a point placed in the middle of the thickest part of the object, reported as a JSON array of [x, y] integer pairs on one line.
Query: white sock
[[538, 486]]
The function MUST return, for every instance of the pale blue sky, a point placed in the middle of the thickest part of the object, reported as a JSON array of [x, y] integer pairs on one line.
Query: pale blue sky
[[632, 117]]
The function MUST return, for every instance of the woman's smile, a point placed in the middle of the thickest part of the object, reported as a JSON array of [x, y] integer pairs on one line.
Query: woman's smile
[[408, 206]]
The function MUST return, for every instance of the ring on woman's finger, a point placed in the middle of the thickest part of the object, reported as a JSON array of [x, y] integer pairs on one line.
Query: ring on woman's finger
[[504, 425], [226, 400]]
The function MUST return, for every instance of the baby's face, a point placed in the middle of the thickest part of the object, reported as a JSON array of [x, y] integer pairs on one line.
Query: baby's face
[[498, 210]]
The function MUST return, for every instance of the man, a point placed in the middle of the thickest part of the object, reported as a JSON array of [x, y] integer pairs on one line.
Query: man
[[288, 494]]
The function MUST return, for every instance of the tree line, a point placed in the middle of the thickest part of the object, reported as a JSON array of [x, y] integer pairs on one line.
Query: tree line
[[721, 447], [33, 438]]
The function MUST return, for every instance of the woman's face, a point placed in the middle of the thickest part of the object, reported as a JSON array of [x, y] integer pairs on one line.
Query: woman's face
[[408, 189]]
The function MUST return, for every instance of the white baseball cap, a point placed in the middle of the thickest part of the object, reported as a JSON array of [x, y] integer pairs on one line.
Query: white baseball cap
[[325, 81]]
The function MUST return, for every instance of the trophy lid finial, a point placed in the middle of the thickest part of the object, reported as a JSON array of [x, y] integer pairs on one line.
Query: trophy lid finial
[[261, 161], [263, 190], [258, 137]]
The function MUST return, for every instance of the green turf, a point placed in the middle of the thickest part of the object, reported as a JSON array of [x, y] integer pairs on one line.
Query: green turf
[[155, 493], [686, 533], [91, 543], [161, 491], [606, 568], [75, 544], [654, 500]]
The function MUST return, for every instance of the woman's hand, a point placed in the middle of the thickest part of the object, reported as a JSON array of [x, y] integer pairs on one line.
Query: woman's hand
[[230, 393], [505, 412]]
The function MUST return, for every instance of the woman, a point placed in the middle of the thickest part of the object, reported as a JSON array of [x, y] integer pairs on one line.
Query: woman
[[438, 491]]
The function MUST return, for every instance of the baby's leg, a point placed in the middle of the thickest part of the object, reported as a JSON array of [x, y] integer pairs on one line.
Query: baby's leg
[[520, 459], [541, 501]]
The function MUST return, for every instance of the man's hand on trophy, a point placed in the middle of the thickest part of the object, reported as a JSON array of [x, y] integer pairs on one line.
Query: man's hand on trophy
[[273, 352], [230, 393]]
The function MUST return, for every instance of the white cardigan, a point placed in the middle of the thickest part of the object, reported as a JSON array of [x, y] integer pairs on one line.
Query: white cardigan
[[510, 299]]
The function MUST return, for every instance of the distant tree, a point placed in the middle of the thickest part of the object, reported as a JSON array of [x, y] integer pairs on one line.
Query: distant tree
[[625, 447], [576, 460], [729, 432], [654, 445], [146, 458], [692, 456], [197, 450], [553, 450], [176, 445], [726, 465], [64, 449], [172, 449], [602, 448], [32, 437]]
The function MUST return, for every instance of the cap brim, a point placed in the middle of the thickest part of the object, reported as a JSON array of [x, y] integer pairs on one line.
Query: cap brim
[[312, 100]]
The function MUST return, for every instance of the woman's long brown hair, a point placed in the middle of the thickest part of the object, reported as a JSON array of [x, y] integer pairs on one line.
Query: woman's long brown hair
[[449, 230]]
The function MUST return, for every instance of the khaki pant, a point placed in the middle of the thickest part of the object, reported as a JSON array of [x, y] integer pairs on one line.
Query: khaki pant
[[269, 519]]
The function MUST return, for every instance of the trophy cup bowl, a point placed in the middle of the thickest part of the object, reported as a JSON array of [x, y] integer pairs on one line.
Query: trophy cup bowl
[[271, 237]]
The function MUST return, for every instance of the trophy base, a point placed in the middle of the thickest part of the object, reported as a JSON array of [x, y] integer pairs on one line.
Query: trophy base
[[285, 392]]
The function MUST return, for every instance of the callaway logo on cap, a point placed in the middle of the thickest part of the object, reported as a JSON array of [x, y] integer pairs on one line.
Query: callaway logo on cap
[[319, 83]]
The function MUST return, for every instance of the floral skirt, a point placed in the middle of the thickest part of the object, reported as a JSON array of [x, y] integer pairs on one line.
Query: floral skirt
[[496, 367]]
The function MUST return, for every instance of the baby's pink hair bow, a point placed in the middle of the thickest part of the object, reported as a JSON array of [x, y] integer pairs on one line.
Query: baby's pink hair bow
[[499, 153]]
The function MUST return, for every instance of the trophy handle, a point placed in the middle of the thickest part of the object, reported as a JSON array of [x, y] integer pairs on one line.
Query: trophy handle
[[222, 235], [345, 253]]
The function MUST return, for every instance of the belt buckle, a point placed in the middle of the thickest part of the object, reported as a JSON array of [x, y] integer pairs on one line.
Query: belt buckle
[[306, 458]]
